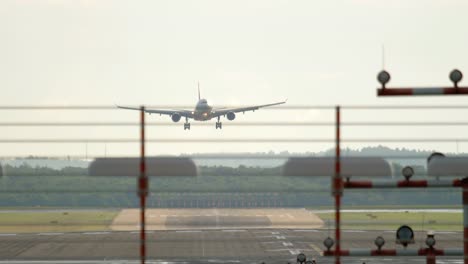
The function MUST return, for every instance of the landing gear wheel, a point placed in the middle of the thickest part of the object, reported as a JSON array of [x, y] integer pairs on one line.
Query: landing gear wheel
[[187, 126], [219, 125]]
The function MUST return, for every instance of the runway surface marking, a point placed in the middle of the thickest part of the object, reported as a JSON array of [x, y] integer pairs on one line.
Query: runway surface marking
[[248, 246], [222, 218], [294, 252]]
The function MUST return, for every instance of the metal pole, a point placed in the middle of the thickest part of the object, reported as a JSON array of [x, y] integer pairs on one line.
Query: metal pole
[[142, 188], [465, 219], [430, 256], [337, 188]]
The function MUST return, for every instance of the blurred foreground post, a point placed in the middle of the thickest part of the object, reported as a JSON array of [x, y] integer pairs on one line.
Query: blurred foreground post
[[142, 188], [465, 219], [337, 188]]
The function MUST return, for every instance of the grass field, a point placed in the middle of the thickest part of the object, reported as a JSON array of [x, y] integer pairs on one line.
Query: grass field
[[95, 220], [60, 221], [391, 221], [383, 207]]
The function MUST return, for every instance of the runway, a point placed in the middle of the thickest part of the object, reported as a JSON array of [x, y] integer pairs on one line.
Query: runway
[[216, 218], [201, 246], [212, 235]]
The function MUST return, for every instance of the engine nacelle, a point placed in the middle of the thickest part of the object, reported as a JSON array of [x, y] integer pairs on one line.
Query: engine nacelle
[[175, 117], [231, 116]]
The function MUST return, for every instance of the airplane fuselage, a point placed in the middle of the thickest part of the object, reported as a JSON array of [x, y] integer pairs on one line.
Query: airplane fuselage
[[202, 111]]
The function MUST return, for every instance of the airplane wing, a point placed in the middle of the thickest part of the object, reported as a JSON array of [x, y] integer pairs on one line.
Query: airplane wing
[[170, 112], [224, 111]]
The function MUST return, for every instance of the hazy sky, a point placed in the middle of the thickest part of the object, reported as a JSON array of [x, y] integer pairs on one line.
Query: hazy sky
[[81, 52]]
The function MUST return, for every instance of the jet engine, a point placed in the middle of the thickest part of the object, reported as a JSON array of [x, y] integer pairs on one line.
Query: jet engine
[[176, 117], [231, 116]]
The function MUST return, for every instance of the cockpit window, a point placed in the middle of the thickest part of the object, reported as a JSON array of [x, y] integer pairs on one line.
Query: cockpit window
[[203, 101]]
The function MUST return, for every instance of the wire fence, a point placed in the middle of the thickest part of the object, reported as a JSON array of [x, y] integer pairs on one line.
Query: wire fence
[[57, 177]]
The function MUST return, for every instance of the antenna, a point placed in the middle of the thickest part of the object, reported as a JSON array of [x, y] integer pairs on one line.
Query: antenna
[[199, 91], [383, 56]]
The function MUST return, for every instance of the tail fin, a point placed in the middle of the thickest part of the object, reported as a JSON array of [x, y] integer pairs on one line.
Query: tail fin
[[199, 97]]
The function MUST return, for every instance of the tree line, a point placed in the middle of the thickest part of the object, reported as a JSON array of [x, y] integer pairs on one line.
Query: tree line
[[217, 186]]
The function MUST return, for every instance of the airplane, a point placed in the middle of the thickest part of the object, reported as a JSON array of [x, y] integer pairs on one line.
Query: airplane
[[203, 112]]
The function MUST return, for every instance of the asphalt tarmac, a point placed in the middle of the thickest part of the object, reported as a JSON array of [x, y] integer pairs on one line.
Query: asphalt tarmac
[[203, 246]]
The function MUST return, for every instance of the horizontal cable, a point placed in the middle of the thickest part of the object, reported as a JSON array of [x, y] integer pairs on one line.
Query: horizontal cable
[[190, 107], [148, 107], [219, 156], [276, 123], [234, 140], [369, 222], [402, 107], [213, 191], [216, 191]]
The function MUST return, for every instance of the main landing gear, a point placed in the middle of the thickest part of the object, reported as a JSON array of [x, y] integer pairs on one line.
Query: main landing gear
[[186, 124], [219, 124]]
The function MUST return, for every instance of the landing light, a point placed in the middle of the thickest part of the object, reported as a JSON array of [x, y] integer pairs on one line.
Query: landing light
[[383, 77], [328, 243], [456, 76], [430, 240], [379, 242], [301, 258], [405, 235], [407, 172]]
